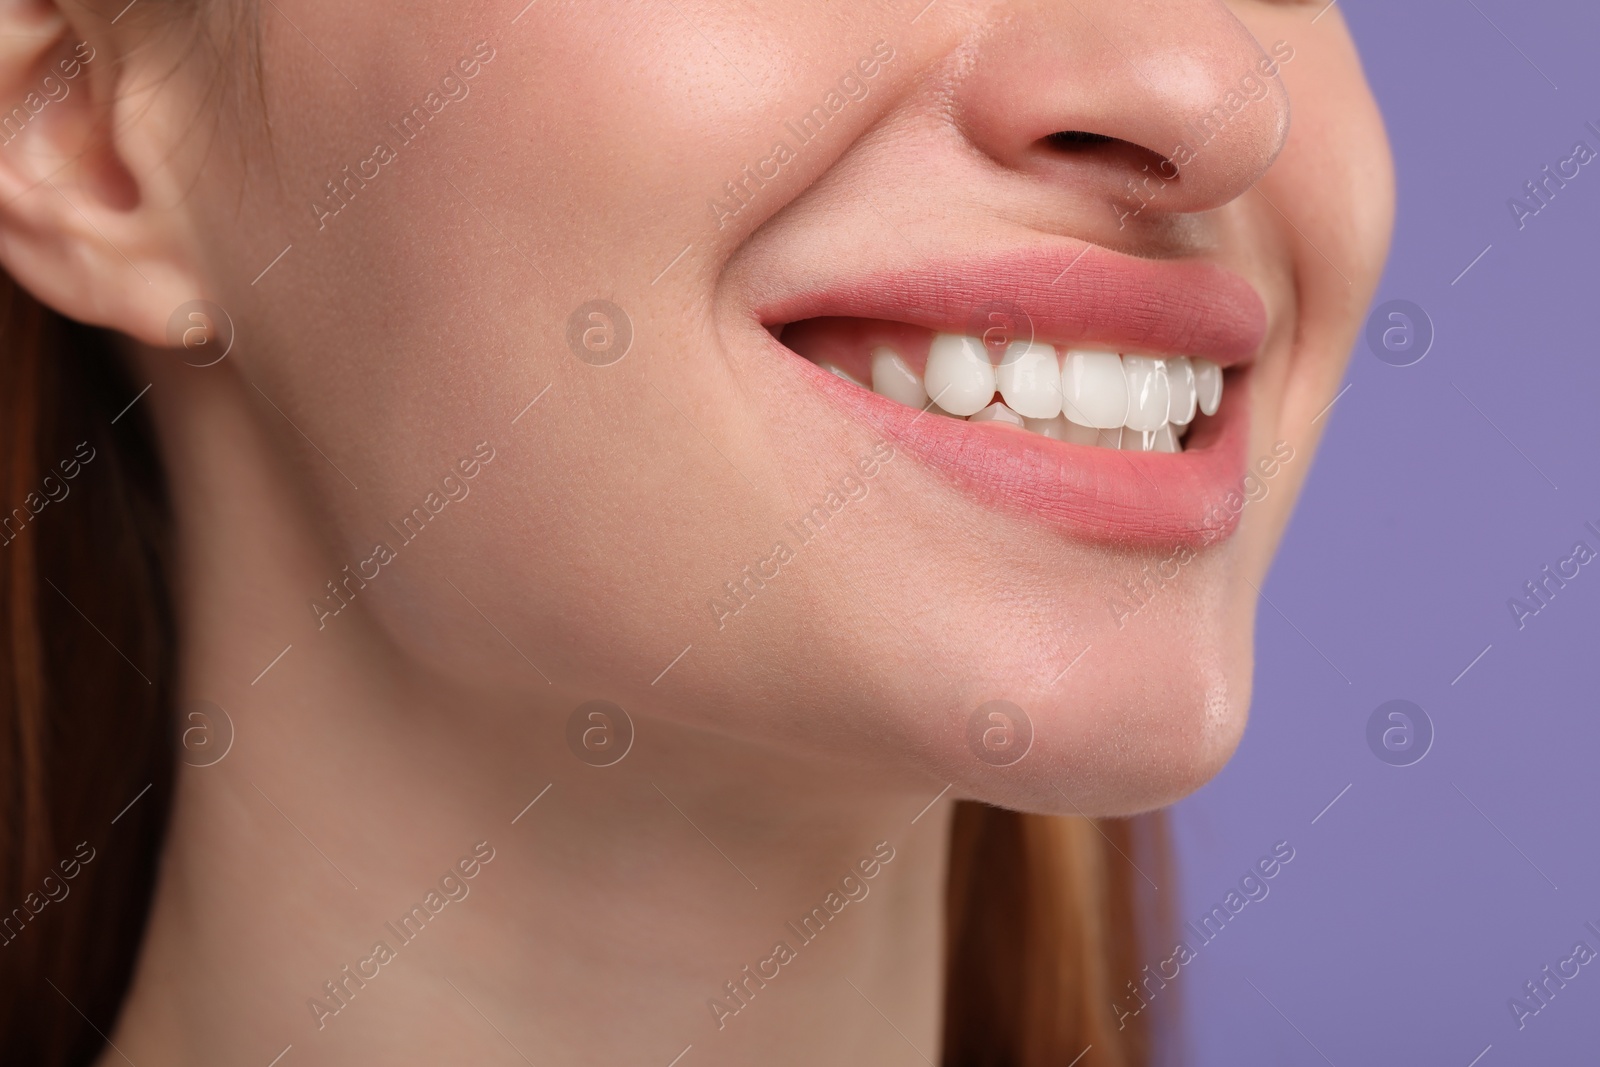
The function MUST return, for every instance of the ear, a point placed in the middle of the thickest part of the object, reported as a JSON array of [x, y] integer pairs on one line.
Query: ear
[[79, 226]]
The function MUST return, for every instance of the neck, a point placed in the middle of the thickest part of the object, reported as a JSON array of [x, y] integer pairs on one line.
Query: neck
[[389, 863]]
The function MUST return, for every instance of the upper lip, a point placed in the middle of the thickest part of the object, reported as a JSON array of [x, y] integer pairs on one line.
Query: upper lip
[[1068, 293]]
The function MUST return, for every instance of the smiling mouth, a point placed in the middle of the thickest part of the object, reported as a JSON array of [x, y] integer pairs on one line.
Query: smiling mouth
[[1078, 393], [1067, 384]]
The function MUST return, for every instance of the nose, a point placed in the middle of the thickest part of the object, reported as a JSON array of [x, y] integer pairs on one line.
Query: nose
[[1163, 106]]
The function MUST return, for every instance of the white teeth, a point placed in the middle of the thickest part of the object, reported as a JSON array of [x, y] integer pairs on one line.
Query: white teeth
[[1061, 428], [1030, 379], [1180, 380], [1092, 397], [959, 376], [1148, 394], [893, 377], [831, 369], [997, 413], [1138, 440], [1208, 385], [1094, 389], [1164, 439], [1055, 429]]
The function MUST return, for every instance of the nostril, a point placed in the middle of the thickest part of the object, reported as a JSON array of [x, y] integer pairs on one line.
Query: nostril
[[1074, 139], [1118, 156]]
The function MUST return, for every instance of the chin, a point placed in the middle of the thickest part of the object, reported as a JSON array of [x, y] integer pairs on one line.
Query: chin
[[1148, 722]]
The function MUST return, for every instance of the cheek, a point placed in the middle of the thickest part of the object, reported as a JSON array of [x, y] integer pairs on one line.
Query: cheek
[[1352, 187], [1340, 208]]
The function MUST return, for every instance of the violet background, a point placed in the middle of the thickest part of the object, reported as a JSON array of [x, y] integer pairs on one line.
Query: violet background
[[1407, 920]]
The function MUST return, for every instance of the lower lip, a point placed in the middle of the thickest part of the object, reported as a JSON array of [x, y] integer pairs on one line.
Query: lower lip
[[1090, 493]]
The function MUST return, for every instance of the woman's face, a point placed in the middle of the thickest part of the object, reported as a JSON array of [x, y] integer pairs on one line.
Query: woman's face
[[555, 282]]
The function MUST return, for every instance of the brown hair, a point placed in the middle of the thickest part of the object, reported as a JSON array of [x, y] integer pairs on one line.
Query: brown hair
[[1048, 922], [1047, 918], [86, 667]]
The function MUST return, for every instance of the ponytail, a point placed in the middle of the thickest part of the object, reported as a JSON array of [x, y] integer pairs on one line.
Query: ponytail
[[1048, 923]]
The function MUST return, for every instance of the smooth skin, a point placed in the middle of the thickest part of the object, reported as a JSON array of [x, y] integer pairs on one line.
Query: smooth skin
[[384, 344]]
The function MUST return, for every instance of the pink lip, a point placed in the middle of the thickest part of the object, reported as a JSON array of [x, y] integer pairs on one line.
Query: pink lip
[[1082, 293], [1100, 494]]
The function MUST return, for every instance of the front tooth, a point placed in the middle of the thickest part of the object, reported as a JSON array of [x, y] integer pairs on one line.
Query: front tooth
[[1061, 428], [1138, 440], [1030, 379], [997, 412], [893, 377], [1094, 390], [1180, 380], [1148, 392], [1167, 439], [1208, 385], [833, 369], [959, 376], [1111, 438]]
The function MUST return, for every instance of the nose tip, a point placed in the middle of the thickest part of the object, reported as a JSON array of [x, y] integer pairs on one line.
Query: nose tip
[[1133, 98]]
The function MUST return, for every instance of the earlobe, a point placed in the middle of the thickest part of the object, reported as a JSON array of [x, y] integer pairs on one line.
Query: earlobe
[[77, 228]]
